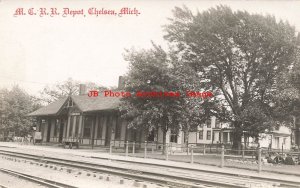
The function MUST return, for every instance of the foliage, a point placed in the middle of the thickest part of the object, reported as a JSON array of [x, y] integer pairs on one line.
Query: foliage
[[65, 88], [239, 56], [16, 104], [153, 70]]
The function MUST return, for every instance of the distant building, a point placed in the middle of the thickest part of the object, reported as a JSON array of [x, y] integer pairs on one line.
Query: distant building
[[277, 139], [296, 131], [215, 132], [212, 132]]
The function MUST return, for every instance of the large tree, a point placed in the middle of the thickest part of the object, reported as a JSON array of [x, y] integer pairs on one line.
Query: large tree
[[239, 56], [152, 71], [287, 98]]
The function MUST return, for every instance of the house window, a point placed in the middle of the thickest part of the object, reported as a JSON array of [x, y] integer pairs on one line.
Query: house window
[[208, 135], [151, 136], [208, 123], [201, 135], [217, 123], [173, 138], [284, 141]]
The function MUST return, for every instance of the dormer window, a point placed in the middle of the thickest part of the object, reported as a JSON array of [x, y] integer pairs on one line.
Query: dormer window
[[70, 103]]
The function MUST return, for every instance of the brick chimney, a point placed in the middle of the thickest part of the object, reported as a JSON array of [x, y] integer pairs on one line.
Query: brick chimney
[[121, 84], [82, 89]]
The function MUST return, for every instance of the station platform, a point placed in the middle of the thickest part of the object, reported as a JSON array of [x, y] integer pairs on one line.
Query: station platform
[[284, 172]]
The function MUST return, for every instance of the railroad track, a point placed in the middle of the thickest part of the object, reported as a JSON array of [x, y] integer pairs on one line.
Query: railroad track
[[206, 179], [38, 180], [276, 181]]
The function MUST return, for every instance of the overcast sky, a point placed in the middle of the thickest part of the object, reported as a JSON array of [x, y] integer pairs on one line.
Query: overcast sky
[[36, 51]]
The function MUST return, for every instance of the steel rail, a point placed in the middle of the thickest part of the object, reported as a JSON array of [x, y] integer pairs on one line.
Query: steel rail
[[141, 174], [38, 180], [250, 177], [153, 177]]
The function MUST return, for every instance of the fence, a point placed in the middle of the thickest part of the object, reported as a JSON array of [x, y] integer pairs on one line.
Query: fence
[[255, 157], [213, 154]]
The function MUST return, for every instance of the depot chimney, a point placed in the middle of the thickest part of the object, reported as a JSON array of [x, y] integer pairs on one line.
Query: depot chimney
[[82, 89]]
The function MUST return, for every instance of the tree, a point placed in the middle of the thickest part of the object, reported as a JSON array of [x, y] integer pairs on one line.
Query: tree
[[15, 106], [65, 88], [239, 56], [196, 110], [151, 71], [287, 98]]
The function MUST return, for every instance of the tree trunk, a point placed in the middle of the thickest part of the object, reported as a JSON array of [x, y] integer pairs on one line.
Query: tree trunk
[[164, 150], [237, 137], [245, 141], [186, 138]]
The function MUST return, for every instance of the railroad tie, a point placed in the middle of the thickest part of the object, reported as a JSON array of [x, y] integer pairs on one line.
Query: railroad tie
[[136, 184]]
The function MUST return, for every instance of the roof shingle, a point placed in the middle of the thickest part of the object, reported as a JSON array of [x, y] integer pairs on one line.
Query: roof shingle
[[87, 104], [84, 103], [50, 109]]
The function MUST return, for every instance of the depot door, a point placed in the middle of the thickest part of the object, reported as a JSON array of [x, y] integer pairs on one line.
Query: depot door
[[48, 130], [108, 131], [61, 131]]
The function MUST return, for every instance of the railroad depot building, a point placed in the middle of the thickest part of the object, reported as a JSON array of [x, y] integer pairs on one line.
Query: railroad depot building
[[88, 120]]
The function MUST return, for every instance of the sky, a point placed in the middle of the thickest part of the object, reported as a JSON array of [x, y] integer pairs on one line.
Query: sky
[[36, 52]]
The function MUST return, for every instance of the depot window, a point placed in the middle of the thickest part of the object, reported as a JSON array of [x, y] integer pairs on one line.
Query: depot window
[[87, 127]]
